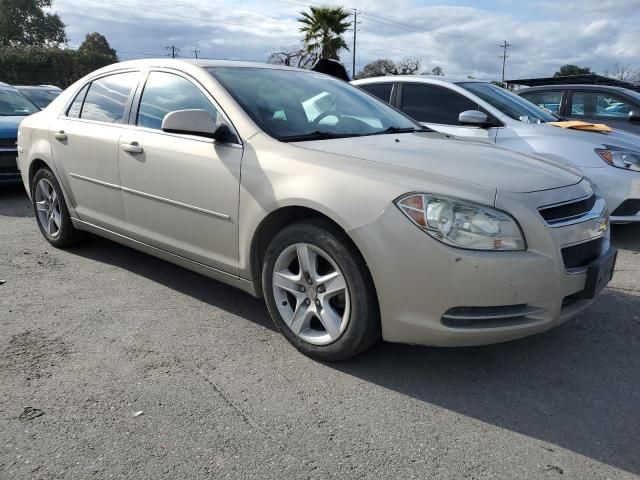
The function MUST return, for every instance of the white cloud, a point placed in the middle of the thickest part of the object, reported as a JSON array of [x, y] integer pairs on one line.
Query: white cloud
[[463, 37]]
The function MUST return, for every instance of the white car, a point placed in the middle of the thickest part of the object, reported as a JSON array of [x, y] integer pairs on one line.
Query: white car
[[481, 110]]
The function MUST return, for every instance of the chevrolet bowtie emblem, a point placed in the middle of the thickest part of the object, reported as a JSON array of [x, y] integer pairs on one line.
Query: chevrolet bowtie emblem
[[603, 223]]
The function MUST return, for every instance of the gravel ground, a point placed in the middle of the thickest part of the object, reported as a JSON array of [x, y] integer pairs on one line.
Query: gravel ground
[[94, 335]]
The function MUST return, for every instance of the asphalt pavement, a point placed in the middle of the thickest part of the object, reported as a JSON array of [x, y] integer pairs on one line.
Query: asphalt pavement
[[135, 368]]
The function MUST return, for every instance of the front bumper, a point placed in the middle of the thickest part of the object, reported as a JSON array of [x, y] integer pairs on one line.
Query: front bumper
[[421, 283], [9, 172], [616, 186]]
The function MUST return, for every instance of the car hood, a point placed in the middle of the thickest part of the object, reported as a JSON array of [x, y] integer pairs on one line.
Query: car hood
[[9, 126], [616, 138], [469, 161]]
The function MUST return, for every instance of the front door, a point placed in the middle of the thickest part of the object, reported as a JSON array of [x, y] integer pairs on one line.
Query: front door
[[181, 192]]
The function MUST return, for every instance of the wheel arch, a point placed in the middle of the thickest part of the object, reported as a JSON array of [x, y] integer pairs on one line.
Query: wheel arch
[[280, 218]]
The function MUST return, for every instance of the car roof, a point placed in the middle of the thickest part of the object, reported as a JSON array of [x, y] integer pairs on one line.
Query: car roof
[[576, 86], [38, 87], [6, 86], [432, 79], [204, 63]]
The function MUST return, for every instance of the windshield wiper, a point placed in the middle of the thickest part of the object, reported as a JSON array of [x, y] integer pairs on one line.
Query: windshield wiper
[[317, 135], [395, 129]]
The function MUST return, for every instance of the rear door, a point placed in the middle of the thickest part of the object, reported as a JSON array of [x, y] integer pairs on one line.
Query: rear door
[[84, 143], [180, 191], [603, 107], [438, 108]]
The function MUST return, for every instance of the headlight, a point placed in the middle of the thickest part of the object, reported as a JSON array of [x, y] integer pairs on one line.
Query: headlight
[[462, 224], [621, 158]]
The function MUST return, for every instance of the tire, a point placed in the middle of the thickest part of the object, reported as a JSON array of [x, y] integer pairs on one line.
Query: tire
[[345, 321], [52, 215]]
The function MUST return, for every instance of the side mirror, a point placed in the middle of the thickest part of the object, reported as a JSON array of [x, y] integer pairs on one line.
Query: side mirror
[[634, 116], [197, 122], [474, 118]]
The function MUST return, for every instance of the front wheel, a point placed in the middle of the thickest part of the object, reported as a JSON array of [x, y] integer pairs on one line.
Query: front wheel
[[319, 292]]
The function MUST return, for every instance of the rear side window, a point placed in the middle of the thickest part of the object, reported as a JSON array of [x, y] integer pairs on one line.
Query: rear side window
[[431, 104], [166, 92], [550, 100], [76, 106], [601, 106], [107, 98], [380, 90]]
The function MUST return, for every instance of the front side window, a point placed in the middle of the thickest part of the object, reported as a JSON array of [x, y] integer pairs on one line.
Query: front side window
[[14, 104], [380, 90], [601, 106], [509, 103], [292, 105], [433, 104], [107, 98], [549, 100], [166, 92]]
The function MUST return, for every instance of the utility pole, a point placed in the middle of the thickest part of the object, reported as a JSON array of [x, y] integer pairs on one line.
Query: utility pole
[[173, 51], [195, 52], [504, 56], [355, 30]]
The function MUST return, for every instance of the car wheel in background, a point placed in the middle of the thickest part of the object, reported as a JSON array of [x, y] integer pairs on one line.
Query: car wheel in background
[[319, 291]]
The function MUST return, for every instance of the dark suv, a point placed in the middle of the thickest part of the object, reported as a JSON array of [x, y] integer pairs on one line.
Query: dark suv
[[613, 106]]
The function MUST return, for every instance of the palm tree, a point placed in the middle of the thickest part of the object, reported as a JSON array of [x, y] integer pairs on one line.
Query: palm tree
[[323, 28]]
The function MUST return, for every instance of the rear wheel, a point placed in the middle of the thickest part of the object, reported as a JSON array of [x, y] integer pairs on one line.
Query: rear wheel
[[319, 292], [51, 211]]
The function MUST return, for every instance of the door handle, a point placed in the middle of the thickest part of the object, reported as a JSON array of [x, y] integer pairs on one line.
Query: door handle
[[60, 135], [132, 147]]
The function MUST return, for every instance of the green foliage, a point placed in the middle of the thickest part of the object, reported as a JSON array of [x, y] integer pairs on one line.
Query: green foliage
[[51, 66], [97, 44], [24, 23], [323, 29], [572, 70]]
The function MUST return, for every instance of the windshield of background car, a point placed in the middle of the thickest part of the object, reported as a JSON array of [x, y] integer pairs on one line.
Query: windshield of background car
[[509, 103], [289, 104], [40, 97], [14, 104]]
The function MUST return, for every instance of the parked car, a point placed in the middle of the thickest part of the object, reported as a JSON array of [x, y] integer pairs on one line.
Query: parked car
[[13, 108], [481, 110], [352, 220], [614, 106], [41, 95]]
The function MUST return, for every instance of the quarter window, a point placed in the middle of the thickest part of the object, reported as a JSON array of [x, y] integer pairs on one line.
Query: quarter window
[[548, 100], [76, 106], [166, 92], [430, 104], [380, 90], [107, 98]]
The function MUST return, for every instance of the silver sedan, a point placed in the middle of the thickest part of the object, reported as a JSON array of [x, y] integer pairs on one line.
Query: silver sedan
[[349, 218]]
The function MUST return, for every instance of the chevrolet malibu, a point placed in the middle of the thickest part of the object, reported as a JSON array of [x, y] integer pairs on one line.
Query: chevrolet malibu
[[351, 220]]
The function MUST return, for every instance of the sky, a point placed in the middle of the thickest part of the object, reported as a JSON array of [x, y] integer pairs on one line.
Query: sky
[[463, 37]]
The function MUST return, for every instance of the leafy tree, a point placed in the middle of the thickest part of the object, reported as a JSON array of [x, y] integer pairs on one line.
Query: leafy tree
[[323, 29], [437, 71], [572, 70], [293, 57], [95, 44], [24, 23]]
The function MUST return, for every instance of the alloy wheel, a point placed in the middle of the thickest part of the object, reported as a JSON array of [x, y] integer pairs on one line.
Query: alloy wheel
[[48, 208], [311, 293]]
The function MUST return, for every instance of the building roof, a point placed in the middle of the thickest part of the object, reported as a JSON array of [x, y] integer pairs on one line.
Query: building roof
[[586, 79]]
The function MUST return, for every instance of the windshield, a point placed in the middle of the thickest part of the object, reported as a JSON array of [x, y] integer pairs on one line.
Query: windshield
[[292, 105], [13, 103], [509, 103], [40, 97]]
